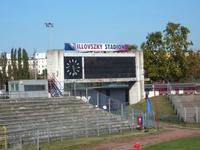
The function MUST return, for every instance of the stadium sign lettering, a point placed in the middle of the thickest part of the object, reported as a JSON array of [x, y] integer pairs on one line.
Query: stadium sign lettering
[[95, 47], [88, 46]]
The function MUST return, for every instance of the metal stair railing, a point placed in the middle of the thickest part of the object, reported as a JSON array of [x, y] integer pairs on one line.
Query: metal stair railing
[[54, 90]]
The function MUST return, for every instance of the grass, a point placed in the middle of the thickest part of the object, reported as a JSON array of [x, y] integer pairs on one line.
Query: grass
[[189, 125], [189, 143], [81, 143], [164, 106], [2, 137]]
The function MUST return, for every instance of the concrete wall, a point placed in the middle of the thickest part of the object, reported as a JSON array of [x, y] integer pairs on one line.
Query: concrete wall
[[136, 90], [55, 67], [20, 91], [118, 94]]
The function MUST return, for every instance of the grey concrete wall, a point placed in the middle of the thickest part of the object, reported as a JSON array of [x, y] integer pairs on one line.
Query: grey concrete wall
[[136, 91], [21, 93], [55, 66], [119, 95]]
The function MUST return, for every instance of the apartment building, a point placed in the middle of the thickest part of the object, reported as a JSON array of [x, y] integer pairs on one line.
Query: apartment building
[[37, 62]]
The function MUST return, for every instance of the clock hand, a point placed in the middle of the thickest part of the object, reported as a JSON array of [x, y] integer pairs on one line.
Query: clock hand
[[73, 68]]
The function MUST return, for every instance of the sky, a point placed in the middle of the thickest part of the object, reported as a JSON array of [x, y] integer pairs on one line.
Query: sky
[[91, 21]]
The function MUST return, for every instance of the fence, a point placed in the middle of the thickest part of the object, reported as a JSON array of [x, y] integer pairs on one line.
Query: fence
[[78, 123], [186, 109], [84, 125], [36, 136]]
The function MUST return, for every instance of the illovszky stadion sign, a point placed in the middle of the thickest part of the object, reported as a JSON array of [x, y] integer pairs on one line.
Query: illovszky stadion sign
[[96, 47]]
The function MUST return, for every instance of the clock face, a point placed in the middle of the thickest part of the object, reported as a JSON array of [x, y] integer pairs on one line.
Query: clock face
[[73, 67]]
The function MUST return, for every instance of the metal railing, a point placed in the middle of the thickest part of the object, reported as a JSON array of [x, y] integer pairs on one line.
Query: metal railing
[[187, 112], [80, 119]]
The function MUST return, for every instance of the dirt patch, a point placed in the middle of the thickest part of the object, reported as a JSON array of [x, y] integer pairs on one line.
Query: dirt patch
[[172, 133]]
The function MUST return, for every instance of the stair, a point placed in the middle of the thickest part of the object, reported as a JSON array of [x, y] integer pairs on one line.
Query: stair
[[64, 117]]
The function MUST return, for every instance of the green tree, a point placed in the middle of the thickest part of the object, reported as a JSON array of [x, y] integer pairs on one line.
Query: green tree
[[25, 58], [155, 56], [176, 43], [1, 81], [10, 77], [3, 62], [14, 64], [132, 47], [19, 63], [44, 73], [164, 53], [193, 67]]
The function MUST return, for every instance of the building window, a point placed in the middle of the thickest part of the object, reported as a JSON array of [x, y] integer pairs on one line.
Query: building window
[[16, 87], [12, 87], [34, 87]]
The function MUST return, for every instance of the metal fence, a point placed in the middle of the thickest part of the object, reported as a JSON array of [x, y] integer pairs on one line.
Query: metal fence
[[186, 109], [114, 119], [36, 136], [120, 117]]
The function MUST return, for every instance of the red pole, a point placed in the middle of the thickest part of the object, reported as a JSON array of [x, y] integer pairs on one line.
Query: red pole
[[157, 114], [136, 146]]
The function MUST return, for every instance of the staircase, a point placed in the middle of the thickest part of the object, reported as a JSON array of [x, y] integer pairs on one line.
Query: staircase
[[46, 119], [53, 88]]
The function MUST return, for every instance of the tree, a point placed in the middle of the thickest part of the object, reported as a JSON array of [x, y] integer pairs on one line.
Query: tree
[[164, 53], [155, 57], [3, 62], [19, 63], [132, 47], [44, 73], [1, 81], [14, 63], [176, 43], [10, 77], [26, 74], [193, 67]]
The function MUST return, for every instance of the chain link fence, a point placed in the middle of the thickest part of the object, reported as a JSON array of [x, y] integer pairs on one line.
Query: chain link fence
[[101, 114]]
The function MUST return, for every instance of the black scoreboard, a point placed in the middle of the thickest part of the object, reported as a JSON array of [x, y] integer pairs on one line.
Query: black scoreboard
[[99, 67]]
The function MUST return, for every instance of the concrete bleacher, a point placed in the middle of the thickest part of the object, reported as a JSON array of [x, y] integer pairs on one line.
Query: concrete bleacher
[[187, 107], [67, 117]]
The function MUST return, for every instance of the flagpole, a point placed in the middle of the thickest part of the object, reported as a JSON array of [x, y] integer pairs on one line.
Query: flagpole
[[49, 25], [148, 109]]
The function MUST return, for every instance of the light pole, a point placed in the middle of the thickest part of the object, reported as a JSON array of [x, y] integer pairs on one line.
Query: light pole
[[49, 25], [34, 62]]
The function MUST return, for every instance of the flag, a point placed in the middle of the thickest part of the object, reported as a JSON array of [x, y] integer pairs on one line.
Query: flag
[[48, 24], [148, 104], [70, 46]]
